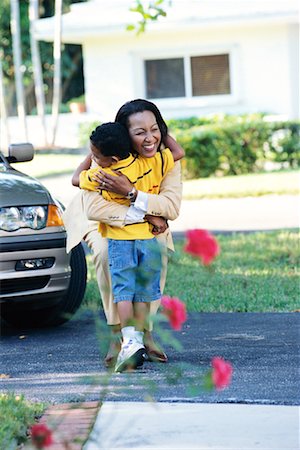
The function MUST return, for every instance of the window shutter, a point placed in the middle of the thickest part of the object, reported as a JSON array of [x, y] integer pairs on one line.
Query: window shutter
[[210, 75]]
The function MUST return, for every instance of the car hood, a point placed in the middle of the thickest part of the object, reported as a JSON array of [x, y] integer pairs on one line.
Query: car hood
[[18, 189]]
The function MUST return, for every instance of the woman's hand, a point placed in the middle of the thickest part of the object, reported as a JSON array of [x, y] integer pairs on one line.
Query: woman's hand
[[159, 224], [118, 184]]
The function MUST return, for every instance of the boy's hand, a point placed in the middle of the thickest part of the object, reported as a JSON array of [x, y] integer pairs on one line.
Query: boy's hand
[[159, 224]]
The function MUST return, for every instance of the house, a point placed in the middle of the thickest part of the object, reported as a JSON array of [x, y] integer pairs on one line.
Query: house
[[206, 56]]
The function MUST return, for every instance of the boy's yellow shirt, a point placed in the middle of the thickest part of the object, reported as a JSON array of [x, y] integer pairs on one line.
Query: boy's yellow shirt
[[146, 174]]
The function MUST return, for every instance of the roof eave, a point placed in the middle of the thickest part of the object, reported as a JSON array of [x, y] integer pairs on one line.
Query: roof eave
[[44, 28]]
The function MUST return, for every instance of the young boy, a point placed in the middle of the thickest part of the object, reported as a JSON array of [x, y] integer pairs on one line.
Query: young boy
[[134, 255]]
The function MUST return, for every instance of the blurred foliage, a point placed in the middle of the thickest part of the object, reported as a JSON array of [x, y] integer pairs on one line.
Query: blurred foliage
[[72, 68], [149, 11], [16, 415]]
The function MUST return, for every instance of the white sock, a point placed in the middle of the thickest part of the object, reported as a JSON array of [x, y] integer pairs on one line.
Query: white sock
[[128, 332], [139, 337]]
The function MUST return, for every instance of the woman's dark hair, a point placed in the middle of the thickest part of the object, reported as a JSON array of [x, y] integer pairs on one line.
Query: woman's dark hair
[[141, 105], [112, 139]]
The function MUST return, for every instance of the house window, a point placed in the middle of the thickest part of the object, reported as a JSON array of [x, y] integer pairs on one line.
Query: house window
[[210, 75], [165, 78], [200, 75]]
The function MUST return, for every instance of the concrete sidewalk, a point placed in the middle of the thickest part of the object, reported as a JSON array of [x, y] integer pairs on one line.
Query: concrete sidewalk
[[268, 212], [158, 426]]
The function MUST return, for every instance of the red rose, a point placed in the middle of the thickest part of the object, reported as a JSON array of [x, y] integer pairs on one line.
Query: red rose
[[202, 244], [221, 372], [41, 435], [175, 310]]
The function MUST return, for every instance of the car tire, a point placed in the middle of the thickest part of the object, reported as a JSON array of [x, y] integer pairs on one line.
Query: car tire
[[16, 315]]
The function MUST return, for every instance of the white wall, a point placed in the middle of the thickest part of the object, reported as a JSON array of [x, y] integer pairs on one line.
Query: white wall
[[266, 70], [67, 131], [264, 56], [108, 77]]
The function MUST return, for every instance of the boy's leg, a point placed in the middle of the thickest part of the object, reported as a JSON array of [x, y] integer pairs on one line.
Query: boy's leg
[[132, 350], [132, 353], [141, 314], [99, 247], [126, 313], [155, 263], [123, 264]]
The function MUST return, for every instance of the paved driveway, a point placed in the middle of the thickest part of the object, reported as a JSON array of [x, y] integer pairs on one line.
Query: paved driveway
[[65, 363]]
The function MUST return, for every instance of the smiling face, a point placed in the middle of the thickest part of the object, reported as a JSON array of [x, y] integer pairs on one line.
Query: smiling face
[[144, 133]]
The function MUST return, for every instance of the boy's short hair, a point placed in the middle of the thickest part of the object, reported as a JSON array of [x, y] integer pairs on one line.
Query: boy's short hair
[[112, 139]]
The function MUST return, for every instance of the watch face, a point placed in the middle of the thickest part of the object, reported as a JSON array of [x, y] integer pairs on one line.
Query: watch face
[[131, 194]]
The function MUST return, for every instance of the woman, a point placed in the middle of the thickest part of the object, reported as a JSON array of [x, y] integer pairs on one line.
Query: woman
[[158, 208]]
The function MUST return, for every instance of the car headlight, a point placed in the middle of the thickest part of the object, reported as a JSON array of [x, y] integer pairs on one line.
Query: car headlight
[[34, 217]]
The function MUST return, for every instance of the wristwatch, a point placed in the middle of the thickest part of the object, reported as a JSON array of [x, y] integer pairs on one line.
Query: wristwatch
[[132, 194]]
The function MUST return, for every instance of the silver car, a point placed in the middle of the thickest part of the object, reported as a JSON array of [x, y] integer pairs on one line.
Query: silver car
[[40, 284]]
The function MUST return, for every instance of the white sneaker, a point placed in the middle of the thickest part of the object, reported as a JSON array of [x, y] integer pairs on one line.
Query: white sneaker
[[131, 355]]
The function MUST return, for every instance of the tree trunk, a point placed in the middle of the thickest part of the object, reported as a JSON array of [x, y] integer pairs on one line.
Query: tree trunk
[[57, 68], [37, 67], [16, 41], [3, 112]]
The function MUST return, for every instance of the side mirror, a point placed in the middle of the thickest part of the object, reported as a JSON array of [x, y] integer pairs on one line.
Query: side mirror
[[20, 152]]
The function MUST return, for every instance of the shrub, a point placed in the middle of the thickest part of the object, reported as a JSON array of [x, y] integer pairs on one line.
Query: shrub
[[284, 144], [234, 147], [202, 152], [188, 122]]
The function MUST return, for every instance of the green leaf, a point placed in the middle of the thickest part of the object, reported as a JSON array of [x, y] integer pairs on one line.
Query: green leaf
[[207, 381]]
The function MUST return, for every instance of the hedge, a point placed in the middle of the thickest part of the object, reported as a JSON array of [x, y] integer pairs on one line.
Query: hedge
[[237, 146]]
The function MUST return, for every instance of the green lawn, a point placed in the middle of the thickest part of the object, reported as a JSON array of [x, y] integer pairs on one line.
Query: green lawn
[[257, 272], [253, 185], [50, 165]]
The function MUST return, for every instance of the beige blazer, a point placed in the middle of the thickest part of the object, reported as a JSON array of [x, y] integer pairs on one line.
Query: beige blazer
[[88, 208]]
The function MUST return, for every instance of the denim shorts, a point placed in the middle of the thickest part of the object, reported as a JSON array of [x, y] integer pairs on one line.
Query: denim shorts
[[135, 268]]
